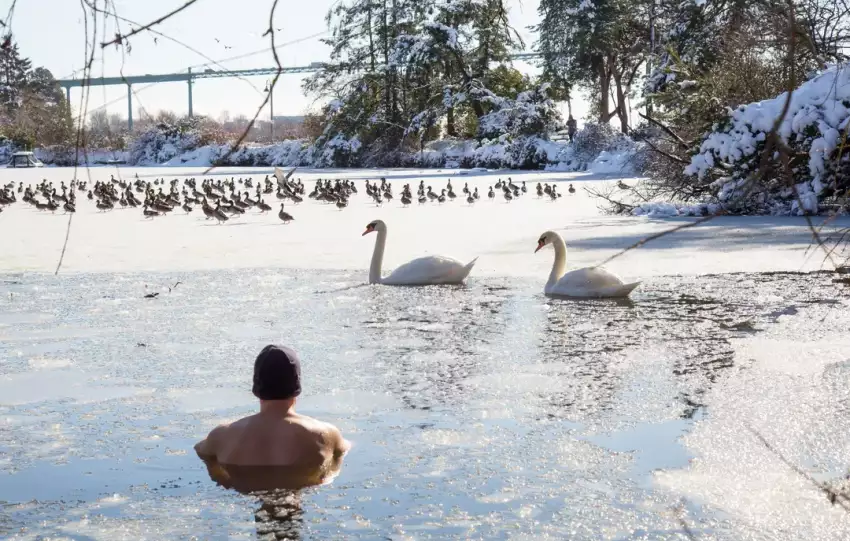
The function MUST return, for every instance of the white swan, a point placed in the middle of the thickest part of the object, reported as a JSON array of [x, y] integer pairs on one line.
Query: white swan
[[589, 282], [430, 270]]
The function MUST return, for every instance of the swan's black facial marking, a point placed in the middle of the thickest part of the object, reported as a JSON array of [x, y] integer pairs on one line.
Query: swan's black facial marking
[[542, 240]]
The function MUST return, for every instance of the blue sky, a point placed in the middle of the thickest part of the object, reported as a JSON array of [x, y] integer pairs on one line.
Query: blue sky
[[51, 33]]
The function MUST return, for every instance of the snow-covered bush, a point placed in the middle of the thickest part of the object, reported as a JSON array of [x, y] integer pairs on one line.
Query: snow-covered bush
[[598, 148], [532, 113], [814, 129], [165, 140]]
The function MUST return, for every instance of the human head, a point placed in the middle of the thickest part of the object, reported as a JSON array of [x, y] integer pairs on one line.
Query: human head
[[277, 374]]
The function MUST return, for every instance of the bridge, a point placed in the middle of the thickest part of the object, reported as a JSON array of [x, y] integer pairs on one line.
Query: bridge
[[190, 76]]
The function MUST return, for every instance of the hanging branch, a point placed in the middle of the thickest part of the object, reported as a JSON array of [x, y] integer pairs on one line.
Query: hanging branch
[[235, 146], [121, 38]]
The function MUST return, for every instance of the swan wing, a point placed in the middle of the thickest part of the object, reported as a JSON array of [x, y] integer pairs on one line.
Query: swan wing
[[591, 282], [430, 270]]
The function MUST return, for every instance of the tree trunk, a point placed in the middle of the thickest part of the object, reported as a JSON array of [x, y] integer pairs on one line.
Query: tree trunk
[[451, 130], [621, 102], [385, 31], [371, 39], [604, 89]]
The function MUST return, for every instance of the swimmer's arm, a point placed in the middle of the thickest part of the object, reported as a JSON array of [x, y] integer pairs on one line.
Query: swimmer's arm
[[207, 448]]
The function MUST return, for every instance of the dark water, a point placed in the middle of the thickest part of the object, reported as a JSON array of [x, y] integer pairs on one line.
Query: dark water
[[485, 411]]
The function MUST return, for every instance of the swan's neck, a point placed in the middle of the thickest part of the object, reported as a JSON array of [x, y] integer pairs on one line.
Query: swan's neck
[[377, 258], [560, 261]]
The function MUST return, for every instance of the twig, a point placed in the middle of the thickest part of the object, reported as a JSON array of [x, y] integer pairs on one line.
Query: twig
[[235, 146], [119, 38], [835, 497], [84, 99], [666, 129]]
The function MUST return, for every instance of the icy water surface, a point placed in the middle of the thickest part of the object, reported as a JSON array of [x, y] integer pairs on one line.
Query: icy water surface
[[485, 411]]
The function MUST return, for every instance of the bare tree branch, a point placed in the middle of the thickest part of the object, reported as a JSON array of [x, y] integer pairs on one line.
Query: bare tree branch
[[121, 38]]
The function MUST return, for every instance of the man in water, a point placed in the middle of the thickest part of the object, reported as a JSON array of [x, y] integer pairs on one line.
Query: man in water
[[276, 436]]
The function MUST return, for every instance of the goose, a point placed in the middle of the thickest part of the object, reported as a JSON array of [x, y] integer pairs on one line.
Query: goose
[[429, 270], [491, 194], [219, 215], [589, 282], [208, 211], [284, 216], [508, 197], [263, 206], [475, 194]]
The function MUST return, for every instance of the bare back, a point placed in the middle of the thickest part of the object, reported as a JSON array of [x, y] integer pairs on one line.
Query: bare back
[[274, 440]]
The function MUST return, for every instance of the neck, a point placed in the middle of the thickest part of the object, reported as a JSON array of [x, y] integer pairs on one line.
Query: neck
[[277, 407], [560, 260], [378, 258]]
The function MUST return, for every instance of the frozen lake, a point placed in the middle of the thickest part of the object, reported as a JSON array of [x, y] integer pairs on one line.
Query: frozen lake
[[483, 411]]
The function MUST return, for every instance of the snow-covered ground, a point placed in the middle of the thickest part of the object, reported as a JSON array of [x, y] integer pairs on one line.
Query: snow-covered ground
[[502, 234]]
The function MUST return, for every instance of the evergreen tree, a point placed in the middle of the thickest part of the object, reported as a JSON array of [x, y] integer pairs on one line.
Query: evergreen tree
[[13, 78]]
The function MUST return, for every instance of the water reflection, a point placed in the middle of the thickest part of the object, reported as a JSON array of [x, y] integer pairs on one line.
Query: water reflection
[[278, 489], [438, 335]]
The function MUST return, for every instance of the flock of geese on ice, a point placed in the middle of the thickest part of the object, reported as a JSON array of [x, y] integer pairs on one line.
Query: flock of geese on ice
[[220, 200]]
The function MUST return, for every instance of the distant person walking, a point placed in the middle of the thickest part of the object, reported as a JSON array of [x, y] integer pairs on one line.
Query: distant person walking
[[276, 436], [571, 128]]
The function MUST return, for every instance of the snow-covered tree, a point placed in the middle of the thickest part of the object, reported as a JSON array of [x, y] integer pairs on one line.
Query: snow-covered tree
[[596, 44], [405, 72]]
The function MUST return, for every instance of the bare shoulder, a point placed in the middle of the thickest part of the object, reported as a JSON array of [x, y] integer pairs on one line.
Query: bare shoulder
[[331, 436], [209, 446]]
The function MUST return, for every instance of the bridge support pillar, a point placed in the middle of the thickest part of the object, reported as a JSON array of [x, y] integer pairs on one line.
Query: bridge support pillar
[[190, 93], [68, 95], [130, 107]]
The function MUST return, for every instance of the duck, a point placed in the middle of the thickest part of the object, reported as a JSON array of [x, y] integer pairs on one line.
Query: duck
[[491, 194], [571, 189], [428, 270], [588, 282]]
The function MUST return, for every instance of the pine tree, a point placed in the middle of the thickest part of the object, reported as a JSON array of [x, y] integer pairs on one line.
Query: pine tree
[[14, 71]]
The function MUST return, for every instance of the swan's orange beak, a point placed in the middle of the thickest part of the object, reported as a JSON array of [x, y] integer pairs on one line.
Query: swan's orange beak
[[540, 244], [369, 229]]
